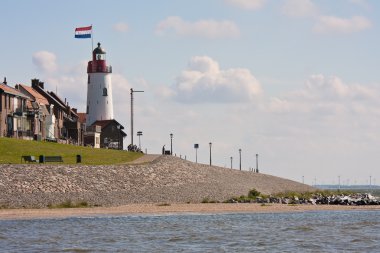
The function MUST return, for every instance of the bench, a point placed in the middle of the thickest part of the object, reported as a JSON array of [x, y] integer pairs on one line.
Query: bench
[[55, 159], [28, 158]]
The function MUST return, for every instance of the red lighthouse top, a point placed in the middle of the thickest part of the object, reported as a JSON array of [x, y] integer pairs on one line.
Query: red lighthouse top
[[98, 63]]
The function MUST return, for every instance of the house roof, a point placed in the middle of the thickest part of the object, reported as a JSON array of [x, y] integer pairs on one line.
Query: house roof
[[37, 96], [48, 96], [9, 90], [105, 123]]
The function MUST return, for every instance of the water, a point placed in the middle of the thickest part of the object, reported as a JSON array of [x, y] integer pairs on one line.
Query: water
[[329, 231]]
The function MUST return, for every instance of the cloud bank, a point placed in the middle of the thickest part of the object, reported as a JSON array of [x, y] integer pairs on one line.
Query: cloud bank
[[204, 82], [45, 61], [332, 24]]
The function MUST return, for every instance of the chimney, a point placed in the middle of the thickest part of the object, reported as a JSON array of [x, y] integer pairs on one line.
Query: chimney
[[41, 84], [35, 83], [5, 81]]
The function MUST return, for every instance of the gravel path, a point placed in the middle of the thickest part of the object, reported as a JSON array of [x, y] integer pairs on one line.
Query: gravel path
[[152, 179]]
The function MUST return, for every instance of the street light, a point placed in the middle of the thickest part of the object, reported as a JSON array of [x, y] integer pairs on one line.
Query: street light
[[210, 152], [171, 144], [196, 146], [139, 133], [240, 158], [231, 162], [132, 91], [257, 163]]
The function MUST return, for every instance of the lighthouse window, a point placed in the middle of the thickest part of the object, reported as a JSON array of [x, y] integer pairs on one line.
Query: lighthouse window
[[105, 92], [88, 110], [88, 79], [100, 57]]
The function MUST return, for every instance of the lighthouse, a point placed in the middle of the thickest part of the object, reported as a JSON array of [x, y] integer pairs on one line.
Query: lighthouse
[[99, 88]]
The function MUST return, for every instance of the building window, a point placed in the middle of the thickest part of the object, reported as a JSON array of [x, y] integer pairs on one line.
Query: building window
[[105, 92]]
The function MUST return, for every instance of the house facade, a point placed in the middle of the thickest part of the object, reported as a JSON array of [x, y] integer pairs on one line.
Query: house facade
[[15, 119], [112, 134]]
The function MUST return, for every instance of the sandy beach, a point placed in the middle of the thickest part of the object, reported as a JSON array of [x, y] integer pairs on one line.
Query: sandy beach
[[153, 209]]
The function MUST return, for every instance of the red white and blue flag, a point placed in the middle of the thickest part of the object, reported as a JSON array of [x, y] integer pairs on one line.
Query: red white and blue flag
[[83, 32]]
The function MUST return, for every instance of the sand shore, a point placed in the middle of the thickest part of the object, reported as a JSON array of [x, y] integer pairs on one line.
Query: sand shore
[[147, 209]]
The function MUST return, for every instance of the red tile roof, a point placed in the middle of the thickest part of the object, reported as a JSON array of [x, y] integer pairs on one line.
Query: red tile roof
[[9, 90], [38, 97]]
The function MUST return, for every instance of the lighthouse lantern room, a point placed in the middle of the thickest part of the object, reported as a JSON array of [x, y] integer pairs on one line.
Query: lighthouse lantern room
[[99, 88]]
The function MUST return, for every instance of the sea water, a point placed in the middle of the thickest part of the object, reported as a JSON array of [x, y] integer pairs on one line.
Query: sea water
[[319, 231]]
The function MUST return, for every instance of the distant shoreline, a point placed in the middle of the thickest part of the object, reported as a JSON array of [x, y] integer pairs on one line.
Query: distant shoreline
[[154, 209]]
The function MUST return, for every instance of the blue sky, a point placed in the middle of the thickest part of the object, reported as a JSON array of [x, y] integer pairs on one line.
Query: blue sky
[[293, 80]]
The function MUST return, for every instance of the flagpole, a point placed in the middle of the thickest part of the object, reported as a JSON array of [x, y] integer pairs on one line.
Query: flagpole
[[92, 39]]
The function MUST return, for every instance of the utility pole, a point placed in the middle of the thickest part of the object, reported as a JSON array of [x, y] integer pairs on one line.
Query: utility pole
[[231, 162], [132, 112]]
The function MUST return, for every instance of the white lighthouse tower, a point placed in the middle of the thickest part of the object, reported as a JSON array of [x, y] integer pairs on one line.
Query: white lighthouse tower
[[99, 88]]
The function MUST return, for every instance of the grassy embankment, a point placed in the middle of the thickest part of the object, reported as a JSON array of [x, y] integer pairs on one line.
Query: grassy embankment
[[12, 149]]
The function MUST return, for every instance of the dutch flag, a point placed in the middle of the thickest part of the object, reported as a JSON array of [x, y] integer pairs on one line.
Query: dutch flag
[[83, 32]]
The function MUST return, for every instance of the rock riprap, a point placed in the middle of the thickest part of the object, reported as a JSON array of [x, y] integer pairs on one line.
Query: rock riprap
[[167, 179]]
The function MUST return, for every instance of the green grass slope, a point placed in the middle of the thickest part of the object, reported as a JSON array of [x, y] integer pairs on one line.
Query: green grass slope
[[12, 149]]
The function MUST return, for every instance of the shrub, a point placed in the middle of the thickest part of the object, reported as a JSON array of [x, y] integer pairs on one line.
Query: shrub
[[254, 193]]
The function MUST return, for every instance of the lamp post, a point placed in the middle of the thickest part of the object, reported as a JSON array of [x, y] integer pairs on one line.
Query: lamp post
[[257, 163], [171, 144], [210, 152], [196, 146], [139, 134], [240, 158], [132, 113], [231, 162]]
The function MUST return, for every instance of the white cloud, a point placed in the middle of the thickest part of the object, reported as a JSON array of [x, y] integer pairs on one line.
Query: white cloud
[[121, 27], [299, 8], [247, 4], [332, 24], [327, 95], [45, 61], [203, 28], [204, 82]]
